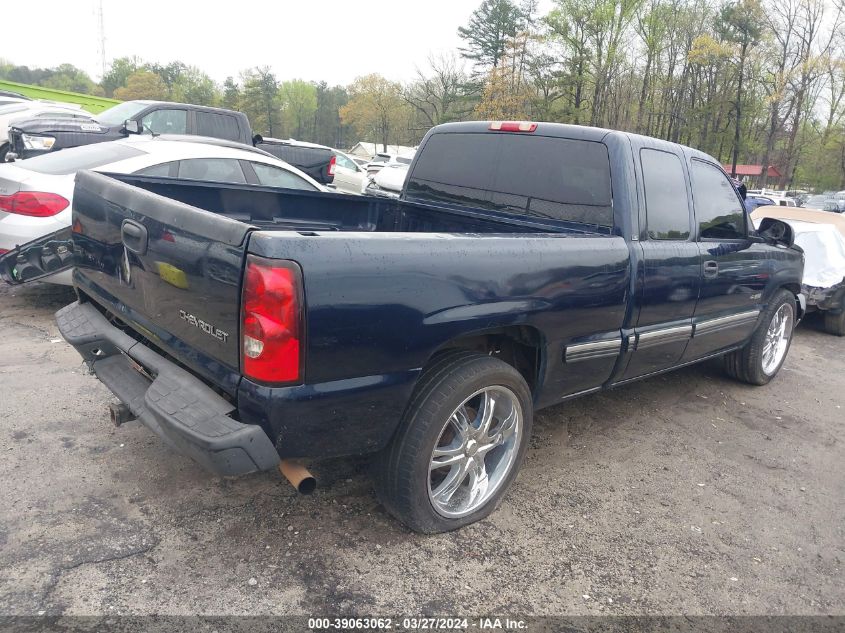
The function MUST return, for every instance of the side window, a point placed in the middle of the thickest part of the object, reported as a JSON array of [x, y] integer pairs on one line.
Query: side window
[[717, 207], [212, 169], [667, 207], [166, 122], [271, 176], [344, 162], [217, 126], [164, 169]]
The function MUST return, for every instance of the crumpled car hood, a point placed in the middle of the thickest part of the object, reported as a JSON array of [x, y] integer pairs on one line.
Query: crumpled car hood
[[59, 124]]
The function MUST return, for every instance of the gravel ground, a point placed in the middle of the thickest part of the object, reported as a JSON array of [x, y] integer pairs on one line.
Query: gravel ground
[[686, 493]]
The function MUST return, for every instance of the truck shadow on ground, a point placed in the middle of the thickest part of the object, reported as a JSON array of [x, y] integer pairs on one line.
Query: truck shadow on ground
[[582, 430], [42, 296]]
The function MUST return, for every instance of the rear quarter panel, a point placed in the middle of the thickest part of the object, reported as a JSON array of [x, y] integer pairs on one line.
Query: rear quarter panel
[[379, 305]]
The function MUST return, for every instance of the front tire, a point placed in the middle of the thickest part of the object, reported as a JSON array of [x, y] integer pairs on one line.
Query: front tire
[[763, 356], [4, 149], [460, 443]]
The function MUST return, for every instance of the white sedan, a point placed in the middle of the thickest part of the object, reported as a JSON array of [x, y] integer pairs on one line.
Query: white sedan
[[36, 194], [349, 176]]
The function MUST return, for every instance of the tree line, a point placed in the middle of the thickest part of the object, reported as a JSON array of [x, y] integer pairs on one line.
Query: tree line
[[748, 81]]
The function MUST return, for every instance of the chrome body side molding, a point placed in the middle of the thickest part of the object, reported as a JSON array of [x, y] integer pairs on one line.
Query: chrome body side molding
[[593, 349], [726, 322], [666, 335]]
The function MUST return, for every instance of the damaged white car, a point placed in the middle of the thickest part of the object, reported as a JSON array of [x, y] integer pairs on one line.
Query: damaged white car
[[822, 236]]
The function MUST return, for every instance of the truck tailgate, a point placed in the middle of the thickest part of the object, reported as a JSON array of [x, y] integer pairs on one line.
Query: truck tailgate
[[171, 270]]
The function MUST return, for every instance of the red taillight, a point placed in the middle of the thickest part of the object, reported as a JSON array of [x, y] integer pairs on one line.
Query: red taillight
[[38, 204], [332, 163], [513, 126], [3, 251], [271, 330]]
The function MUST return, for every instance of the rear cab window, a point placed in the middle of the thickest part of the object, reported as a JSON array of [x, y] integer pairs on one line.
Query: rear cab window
[[535, 176]]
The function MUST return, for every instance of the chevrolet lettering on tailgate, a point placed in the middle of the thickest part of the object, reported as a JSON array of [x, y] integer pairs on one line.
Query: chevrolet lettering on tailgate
[[208, 328]]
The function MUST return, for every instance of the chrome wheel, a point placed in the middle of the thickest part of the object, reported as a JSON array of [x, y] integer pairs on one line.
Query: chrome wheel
[[475, 451], [777, 339]]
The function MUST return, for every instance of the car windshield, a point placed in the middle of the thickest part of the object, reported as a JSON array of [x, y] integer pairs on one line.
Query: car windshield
[[74, 159], [119, 113]]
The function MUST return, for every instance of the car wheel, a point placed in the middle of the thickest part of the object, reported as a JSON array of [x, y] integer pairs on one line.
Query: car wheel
[[834, 323], [460, 444], [4, 149], [761, 359]]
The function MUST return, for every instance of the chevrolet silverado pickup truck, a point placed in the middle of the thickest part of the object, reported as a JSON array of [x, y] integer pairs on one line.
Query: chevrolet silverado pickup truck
[[523, 265]]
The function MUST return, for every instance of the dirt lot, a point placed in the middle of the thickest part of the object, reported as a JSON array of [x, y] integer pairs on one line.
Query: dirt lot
[[684, 493]]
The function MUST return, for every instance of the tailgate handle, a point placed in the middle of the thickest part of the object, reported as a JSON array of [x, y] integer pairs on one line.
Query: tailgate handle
[[134, 237]]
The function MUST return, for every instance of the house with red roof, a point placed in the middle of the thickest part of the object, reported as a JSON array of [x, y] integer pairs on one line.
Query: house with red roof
[[751, 174]]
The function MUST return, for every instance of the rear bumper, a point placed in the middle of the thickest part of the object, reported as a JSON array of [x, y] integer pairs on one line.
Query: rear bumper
[[181, 409]]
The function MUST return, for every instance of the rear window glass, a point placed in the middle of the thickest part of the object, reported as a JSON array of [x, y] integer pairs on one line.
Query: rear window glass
[[212, 170], [272, 176], [218, 126], [537, 176], [164, 169], [73, 159]]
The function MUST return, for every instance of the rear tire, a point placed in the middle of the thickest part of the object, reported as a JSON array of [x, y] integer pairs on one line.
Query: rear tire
[[835, 323], [763, 356], [449, 464]]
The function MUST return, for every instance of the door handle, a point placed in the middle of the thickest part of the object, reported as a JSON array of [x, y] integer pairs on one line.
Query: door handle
[[711, 268], [134, 237]]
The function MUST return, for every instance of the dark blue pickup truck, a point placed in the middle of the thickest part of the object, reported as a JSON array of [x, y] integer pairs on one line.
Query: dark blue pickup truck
[[524, 264]]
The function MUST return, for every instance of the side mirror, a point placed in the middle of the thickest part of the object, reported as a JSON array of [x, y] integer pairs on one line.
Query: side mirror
[[776, 232], [132, 127], [257, 139]]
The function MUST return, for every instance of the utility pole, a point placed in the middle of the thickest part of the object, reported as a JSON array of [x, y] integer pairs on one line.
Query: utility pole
[[101, 30]]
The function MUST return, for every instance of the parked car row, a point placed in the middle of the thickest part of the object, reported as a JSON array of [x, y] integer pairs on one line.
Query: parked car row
[[33, 128], [45, 144], [831, 201], [828, 201], [36, 194]]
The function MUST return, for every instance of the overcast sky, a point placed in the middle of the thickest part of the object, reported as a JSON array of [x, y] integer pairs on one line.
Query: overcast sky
[[329, 40]]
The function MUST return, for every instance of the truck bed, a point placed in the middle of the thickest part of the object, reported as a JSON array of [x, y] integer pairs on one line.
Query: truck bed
[[270, 208]]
